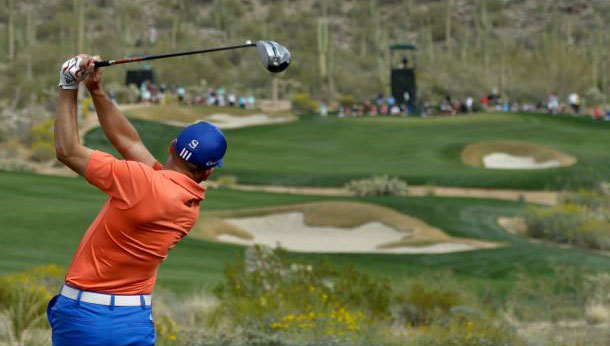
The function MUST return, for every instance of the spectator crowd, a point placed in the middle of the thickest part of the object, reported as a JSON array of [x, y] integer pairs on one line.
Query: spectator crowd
[[162, 94], [388, 106]]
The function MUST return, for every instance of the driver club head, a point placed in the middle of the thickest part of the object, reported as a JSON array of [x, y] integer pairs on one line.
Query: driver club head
[[274, 57]]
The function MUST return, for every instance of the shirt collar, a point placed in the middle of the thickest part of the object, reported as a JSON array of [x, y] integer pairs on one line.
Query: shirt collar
[[187, 183]]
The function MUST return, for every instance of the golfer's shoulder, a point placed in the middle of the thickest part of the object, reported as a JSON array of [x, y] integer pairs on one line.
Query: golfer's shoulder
[[103, 162]]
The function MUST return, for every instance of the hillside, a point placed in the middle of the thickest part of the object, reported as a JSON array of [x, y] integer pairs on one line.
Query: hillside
[[524, 48]]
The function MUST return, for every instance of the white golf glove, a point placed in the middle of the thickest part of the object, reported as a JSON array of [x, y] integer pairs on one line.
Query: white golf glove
[[71, 74]]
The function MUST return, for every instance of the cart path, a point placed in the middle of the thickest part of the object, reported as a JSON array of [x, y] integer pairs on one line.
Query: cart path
[[530, 196]]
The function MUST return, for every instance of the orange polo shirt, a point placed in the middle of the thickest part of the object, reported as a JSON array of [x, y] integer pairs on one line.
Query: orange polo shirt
[[148, 212]]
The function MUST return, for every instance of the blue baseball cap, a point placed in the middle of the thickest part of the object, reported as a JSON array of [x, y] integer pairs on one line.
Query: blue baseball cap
[[202, 144]]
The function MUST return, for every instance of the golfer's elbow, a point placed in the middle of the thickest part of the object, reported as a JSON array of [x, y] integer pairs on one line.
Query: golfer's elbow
[[62, 154], [65, 152]]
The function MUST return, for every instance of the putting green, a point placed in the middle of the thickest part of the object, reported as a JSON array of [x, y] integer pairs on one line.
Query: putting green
[[332, 151]]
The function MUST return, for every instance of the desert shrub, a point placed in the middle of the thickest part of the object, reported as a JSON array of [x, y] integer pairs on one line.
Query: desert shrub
[[422, 304], [346, 100], [10, 148], [597, 309], [581, 219], [378, 186], [596, 201], [596, 313], [42, 152], [123, 93], [595, 97], [183, 320], [460, 330], [43, 148], [277, 299], [303, 103], [167, 329], [560, 296], [24, 298]]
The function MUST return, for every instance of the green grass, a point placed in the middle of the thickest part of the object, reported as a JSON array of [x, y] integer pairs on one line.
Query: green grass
[[44, 218], [331, 152]]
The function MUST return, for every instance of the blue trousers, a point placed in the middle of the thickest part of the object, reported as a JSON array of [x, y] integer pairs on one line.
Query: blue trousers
[[79, 323]]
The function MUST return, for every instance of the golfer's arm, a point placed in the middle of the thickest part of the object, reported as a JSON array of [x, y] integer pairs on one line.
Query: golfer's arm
[[119, 131], [68, 148]]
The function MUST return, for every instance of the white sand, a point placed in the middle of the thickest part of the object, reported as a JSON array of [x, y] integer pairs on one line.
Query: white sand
[[507, 161], [228, 121], [290, 231]]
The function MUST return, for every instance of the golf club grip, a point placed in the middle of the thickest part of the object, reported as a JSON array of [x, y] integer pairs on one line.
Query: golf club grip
[[118, 61], [102, 63], [170, 55]]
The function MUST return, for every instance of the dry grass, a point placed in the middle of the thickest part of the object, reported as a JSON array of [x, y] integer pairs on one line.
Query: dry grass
[[565, 333], [211, 227], [514, 225], [181, 115], [335, 214], [597, 313], [474, 153]]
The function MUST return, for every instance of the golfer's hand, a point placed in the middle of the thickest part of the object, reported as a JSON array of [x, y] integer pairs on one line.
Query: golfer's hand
[[72, 72], [94, 74]]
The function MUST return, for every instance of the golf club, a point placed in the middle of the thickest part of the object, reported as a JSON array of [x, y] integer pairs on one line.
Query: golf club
[[272, 55]]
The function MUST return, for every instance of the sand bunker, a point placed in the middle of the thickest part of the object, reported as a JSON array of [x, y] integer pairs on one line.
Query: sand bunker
[[514, 155], [290, 231], [508, 161], [336, 227], [228, 121]]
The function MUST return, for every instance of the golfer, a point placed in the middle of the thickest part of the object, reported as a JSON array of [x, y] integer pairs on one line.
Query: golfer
[[106, 298]]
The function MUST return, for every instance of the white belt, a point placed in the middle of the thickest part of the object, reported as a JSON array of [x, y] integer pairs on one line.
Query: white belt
[[105, 299]]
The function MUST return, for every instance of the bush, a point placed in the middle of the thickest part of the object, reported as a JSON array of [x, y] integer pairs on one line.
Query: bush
[[10, 148], [597, 314], [42, 152], [43, 148], [378, 186], [303, 103], [422, 304], [276, 299], [24, 298], [463, 331], [560, 296], [166, 328], [346, 101], [124, 94], [581, 219]]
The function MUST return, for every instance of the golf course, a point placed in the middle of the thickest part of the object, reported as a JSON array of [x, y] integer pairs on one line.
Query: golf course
[[57, 210], [454, 242], [420, 151], [295, 173]]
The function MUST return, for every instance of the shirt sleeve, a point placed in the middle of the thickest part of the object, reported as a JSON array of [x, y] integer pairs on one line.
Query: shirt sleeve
[[127, 181]]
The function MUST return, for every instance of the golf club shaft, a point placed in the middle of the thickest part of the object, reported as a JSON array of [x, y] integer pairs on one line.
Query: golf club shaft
[[170, 55]]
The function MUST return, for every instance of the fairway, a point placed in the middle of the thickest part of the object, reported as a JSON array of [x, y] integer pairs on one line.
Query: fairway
[[60, 209], [332, 151]]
